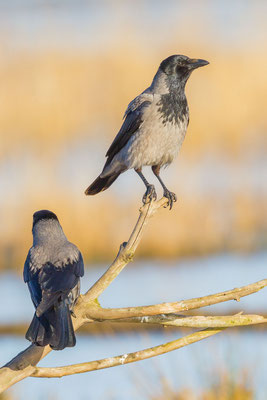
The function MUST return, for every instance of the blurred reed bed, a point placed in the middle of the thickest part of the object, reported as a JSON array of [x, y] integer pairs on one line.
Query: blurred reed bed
[[224, 382], [50, 100], [227, 387], [195, 227], [4, 396]]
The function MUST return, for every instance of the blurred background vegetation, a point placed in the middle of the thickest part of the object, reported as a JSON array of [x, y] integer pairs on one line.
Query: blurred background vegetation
[[68, 71]]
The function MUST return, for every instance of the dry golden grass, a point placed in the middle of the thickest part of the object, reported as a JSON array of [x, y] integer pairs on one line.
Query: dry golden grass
[[48, 98], [228, 387], [194, 228]]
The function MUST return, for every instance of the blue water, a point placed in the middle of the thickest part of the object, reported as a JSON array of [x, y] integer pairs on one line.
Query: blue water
[[146, 283]]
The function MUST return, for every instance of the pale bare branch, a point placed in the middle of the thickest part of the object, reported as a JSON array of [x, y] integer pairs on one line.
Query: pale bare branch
[[127, 358], [98, 313], [222, 321]]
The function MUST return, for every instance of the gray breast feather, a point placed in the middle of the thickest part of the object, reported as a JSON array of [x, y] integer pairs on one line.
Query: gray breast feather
[[155, 142], [152, 133]]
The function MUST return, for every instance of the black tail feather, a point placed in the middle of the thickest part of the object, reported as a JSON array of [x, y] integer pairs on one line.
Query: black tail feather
[[101, 184], [63, 336], [54, 327], [39, 331]]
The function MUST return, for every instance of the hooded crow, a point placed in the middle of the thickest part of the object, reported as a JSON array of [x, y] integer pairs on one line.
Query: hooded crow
[[154, 128], [52, 271]]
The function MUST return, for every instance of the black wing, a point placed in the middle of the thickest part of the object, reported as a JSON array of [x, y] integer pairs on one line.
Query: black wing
[[26, 271], [133, 120], [31, 277]]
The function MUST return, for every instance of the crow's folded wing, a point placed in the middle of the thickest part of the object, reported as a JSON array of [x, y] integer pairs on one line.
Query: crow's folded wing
[[61, 279], [54, 281], [26, 270], [48, 282], [30, 276], [133, 119]]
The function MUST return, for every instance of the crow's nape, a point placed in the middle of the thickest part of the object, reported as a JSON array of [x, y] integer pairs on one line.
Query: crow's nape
[[101, 184]]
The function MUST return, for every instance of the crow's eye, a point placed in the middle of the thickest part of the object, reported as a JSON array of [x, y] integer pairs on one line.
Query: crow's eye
[[180, 70]]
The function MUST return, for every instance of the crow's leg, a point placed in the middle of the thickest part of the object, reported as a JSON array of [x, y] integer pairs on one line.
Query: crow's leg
[[150, 193], [166, 193]]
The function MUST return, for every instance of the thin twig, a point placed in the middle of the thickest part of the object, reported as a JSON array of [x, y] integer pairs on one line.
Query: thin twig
[[127, 358]]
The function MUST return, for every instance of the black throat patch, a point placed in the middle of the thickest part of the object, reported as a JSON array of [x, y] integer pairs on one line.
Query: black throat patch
[[173, 105]]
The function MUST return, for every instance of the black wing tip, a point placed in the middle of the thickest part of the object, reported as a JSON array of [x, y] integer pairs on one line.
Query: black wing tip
[[95, 187], [101, 184], [90, 192]]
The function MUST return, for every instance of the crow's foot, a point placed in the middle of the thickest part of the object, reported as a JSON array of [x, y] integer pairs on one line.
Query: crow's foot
[[171, 198], [150, 194]]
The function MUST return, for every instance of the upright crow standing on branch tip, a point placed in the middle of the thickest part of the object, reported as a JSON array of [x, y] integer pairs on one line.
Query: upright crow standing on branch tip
[[52, 271], [153, 129]]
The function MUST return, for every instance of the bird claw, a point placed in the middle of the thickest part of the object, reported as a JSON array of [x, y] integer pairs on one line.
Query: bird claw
[[172, 198], [150, 194], [73, 314]]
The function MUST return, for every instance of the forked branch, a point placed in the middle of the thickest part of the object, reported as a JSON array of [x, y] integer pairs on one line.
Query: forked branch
[[23, 365]]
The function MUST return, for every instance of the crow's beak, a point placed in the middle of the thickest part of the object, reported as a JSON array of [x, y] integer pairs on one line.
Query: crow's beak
[[196, 63]]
